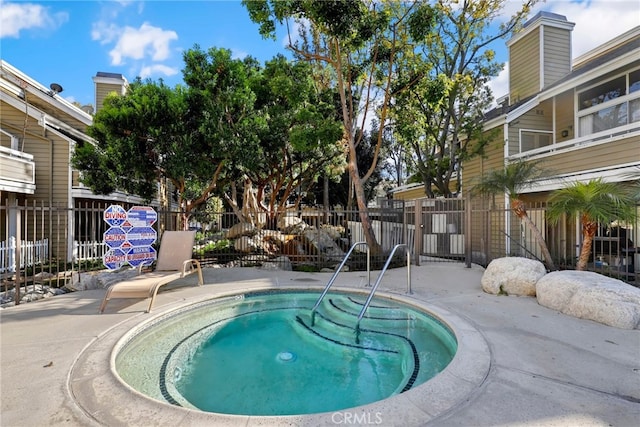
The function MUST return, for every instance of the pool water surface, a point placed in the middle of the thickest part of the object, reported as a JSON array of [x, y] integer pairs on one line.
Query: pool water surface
[[259, 354]]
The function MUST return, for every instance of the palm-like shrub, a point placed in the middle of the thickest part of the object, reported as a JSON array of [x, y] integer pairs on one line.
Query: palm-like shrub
[[512, 180], [595, 202]]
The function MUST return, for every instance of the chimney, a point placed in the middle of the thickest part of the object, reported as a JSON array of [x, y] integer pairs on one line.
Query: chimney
[[539, 55], [106, 83]]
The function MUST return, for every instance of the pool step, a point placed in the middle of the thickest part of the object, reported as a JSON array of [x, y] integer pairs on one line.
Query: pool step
[[327, 330]]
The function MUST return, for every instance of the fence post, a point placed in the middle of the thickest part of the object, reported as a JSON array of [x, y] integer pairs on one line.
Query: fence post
[[467, 226], [18, 255], [417, 235]]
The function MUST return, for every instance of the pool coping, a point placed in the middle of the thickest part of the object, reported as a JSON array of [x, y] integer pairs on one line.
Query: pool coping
[[104, 399]]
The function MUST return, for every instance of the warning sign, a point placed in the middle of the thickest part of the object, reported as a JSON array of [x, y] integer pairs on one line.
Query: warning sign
[[129, 236], [141, 255], [142, 216], [114, 259], [114, 237], [141, 236], [115, 215]]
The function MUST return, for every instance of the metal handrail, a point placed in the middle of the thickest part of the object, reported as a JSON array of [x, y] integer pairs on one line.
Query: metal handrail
[[335, 274], [375, 286]]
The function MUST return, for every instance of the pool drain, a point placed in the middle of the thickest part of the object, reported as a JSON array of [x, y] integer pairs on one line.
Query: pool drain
[[286, 356]]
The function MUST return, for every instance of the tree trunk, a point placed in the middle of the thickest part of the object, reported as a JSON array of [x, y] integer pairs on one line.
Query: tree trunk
[[347, 120], [363, 210], [588, 232], [518, 207]]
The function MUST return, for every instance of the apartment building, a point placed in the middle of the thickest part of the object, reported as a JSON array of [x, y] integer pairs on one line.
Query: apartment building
[[580, 119], [39, 130]]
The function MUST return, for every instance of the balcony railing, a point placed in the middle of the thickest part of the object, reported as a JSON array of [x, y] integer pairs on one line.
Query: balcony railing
[[17, 171], [627, 131]]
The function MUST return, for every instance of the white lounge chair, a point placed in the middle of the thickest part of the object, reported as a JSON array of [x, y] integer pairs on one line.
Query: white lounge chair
[[174, 262]]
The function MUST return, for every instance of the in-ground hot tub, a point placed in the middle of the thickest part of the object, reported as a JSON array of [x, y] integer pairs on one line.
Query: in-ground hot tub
[[99, 392], [260, 354]]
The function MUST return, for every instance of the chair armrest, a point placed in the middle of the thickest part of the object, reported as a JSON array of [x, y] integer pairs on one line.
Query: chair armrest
[[189, 266], [143, 265]]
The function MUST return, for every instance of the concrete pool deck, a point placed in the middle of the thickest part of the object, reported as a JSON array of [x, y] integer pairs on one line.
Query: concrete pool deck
[[543, 368]]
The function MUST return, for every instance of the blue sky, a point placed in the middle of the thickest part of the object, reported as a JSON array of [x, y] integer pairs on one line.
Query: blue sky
[[68, 42]]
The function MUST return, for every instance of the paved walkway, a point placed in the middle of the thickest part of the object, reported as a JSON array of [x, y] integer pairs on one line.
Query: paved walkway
[[545, 368]]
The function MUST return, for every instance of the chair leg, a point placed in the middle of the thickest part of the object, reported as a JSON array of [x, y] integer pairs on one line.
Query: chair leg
[[105, 300], [153, 297]]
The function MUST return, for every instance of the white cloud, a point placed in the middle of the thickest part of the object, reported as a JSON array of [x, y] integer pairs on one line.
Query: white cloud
[[500, 84], [597, 21], [146, 40], [238, 54], [104, 32], [151, 70], [15, 17]]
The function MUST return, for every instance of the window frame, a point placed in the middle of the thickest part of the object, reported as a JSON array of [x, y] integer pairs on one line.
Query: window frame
[[627, 98]]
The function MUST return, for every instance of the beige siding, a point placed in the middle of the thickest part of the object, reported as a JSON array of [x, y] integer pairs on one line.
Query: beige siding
[[102, 90], [564, 116], [524, 67], [16, 170], [12, 121], [474, 168], [52, 184], [410, 194], [599, 156], [557, 58], [50, 153], [538, 119]]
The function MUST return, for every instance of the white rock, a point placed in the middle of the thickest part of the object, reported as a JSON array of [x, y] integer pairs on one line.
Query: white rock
[[245, 244], [512, 275], [240, 229], [592, 296], [291, 224]]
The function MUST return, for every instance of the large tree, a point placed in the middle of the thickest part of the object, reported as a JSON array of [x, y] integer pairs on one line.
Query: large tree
[[339, 189], [186, 135], [441, 90], [299, 139], [352, 46]]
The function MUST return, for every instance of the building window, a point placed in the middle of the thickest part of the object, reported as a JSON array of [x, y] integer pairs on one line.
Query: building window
[[530, 140], [603, 93], [610, 104], [634, 111], [634, 81]]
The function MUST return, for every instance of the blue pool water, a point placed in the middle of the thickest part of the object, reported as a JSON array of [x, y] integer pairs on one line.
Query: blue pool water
[[258, 354]]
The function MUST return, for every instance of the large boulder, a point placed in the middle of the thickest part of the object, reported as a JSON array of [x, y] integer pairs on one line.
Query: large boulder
[[245, 244], [291, 224], [271, 241], [592, 296], [241, 229], [296, 250], [512, 276], [321, 240]]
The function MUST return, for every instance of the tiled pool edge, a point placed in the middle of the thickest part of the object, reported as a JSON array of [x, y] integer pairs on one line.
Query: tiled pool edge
[[103, 399]]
